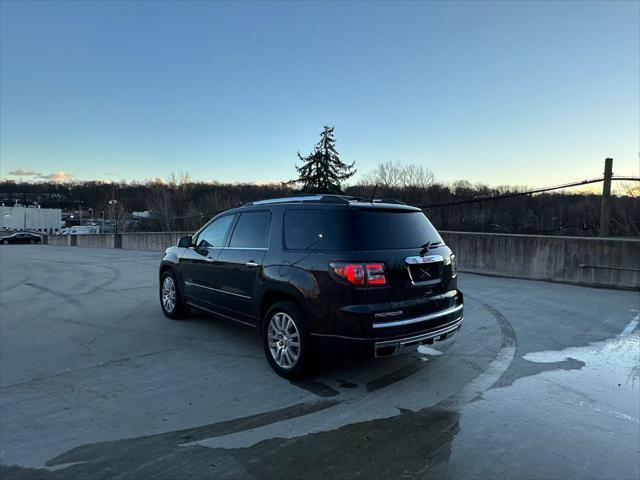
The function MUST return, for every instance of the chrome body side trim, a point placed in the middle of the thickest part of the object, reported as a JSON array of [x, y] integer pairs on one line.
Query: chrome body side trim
[[191, 284], [195, 305]]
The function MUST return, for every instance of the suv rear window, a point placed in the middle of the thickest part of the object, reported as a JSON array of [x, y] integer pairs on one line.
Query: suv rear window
[[389, 230], [351, 229]]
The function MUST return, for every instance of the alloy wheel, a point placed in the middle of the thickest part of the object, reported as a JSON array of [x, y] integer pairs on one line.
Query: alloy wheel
[[168, 294], [283, 340]]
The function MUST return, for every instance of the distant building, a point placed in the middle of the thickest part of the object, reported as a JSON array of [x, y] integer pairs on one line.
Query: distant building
[[31, 218], [81, 230]]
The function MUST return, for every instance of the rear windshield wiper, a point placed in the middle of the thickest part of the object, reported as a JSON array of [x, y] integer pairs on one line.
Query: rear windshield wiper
[[427, 246]]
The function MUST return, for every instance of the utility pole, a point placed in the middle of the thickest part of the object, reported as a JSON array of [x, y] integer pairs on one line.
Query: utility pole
[[606, 196]]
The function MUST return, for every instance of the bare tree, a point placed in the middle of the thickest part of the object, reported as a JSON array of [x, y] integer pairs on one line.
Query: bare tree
[[624, 221], [387, 175], [417, 176], [159, 196], [393, 179]]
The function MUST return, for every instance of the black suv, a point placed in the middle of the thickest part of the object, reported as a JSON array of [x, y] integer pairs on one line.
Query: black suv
[[318, 273]]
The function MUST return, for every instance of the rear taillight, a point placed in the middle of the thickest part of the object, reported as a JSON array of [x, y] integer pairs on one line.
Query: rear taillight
[[351, 272], [454, 266], [360, 273], [375, 274]]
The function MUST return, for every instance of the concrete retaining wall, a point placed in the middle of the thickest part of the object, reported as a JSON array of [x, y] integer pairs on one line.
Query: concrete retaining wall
[[581, 260], [96, 240], [585, 261], [151, 241], [131, 241], [57, 240]]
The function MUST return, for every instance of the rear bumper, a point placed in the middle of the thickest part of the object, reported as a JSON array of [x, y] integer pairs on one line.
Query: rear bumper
[[387, 348], [394, 337], [423, 318], [381, 320]]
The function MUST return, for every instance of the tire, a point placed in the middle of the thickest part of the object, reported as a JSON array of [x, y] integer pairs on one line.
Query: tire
[[175, 309], [5, 242], [279, 327], [32, 242]]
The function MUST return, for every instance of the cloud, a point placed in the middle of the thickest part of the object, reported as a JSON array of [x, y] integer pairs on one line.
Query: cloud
[[110, 174], [22, 172], [58, 177], [52, 177]]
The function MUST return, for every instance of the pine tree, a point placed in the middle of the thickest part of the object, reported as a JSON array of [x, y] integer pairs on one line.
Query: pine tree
[[322, 171]]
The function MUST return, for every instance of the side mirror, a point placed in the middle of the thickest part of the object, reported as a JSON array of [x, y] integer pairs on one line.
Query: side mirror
[[185, 242]]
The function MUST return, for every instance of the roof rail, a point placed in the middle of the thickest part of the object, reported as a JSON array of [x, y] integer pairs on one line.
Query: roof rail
[[388, 200], [323, 198], [320, 198]]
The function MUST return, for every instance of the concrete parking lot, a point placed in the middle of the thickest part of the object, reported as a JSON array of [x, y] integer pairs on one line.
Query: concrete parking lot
[[543, 381]]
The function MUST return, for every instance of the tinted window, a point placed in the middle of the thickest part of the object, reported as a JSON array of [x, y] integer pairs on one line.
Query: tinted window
[[252, 230], [338, 229], [387, 230], [308, 229], [215, 233]]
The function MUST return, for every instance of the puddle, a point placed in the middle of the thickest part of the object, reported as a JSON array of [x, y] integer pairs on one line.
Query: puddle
[[612, 364], [576, 422]]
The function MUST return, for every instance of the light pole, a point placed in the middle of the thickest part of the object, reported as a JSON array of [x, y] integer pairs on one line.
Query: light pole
[[115, 213]]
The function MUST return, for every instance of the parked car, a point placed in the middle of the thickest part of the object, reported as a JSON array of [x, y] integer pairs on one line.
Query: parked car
[[21, 237], [316, 274]]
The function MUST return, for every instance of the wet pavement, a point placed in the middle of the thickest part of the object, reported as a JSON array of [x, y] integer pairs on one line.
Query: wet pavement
[[543, 381]]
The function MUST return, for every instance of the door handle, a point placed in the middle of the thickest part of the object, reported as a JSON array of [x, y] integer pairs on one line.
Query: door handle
[[251, 263]]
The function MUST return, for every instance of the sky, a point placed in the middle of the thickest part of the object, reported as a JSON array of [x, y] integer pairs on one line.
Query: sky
[[526, 93]]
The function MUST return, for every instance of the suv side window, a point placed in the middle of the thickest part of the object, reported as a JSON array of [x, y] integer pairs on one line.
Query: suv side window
[[311, 229], [215, 233], [252, 230]]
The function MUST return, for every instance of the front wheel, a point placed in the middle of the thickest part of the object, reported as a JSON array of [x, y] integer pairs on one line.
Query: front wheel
[[287, 344], [170, 298]]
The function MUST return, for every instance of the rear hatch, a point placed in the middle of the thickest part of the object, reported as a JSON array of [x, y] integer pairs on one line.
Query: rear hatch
[[416, 260], [418, 267], [361, 240]]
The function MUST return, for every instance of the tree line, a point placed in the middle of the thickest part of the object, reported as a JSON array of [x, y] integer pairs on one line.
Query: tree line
[[180, 203]]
